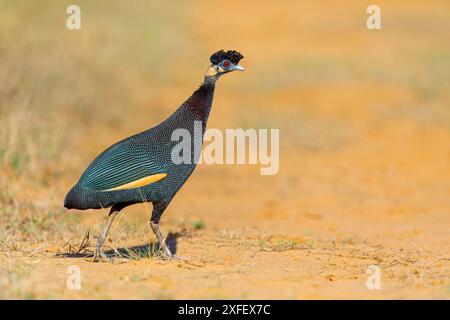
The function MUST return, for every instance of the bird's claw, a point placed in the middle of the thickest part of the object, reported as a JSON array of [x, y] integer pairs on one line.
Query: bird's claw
[[170, 256], [101, 256], [166, 254]]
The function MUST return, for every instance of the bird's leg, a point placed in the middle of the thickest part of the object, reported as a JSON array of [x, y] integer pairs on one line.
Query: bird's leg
[[158, 209], [99, 253], [161, 240]]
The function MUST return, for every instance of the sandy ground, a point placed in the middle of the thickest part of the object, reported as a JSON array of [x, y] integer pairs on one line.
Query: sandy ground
[[364, 174], [309, 239]]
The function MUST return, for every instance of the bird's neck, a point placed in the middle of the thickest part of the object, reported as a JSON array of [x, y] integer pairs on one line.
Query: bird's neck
[[200, 102]]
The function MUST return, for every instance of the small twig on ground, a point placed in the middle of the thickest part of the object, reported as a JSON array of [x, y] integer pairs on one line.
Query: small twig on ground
[[85, 242]]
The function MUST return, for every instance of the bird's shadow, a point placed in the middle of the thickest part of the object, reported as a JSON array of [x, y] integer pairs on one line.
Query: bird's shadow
[[135, 252]]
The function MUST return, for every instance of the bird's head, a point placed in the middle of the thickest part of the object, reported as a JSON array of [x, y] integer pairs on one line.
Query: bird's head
[[223, 62]]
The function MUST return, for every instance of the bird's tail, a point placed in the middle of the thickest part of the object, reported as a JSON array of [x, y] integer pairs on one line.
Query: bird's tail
[[70, 199]]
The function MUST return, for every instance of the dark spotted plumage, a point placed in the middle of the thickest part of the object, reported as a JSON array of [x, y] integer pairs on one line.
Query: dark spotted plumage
[[141, 155], [140, 168]]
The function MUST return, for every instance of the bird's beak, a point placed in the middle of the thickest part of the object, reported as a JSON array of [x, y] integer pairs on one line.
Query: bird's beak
[[238, 67]]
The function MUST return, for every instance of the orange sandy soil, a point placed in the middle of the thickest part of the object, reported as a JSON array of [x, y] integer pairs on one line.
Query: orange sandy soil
[[364, 151]]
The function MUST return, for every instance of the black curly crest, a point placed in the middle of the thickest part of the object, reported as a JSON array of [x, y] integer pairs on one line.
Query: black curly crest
[[221, 55]]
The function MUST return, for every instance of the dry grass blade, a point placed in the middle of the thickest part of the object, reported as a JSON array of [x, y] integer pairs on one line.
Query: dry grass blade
[[85, 242]]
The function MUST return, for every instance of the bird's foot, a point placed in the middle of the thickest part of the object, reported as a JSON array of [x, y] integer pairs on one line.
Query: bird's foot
[[166, 254], [171, 257], [101, 256], [179, 258]]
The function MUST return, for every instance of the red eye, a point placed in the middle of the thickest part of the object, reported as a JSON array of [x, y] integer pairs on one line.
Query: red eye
[[226, 64]]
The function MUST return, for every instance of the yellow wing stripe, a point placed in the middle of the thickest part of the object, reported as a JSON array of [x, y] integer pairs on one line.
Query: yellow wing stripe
[[140, 182]]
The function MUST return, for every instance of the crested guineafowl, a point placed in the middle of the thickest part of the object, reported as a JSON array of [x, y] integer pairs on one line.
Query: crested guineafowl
[[140, 168]]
